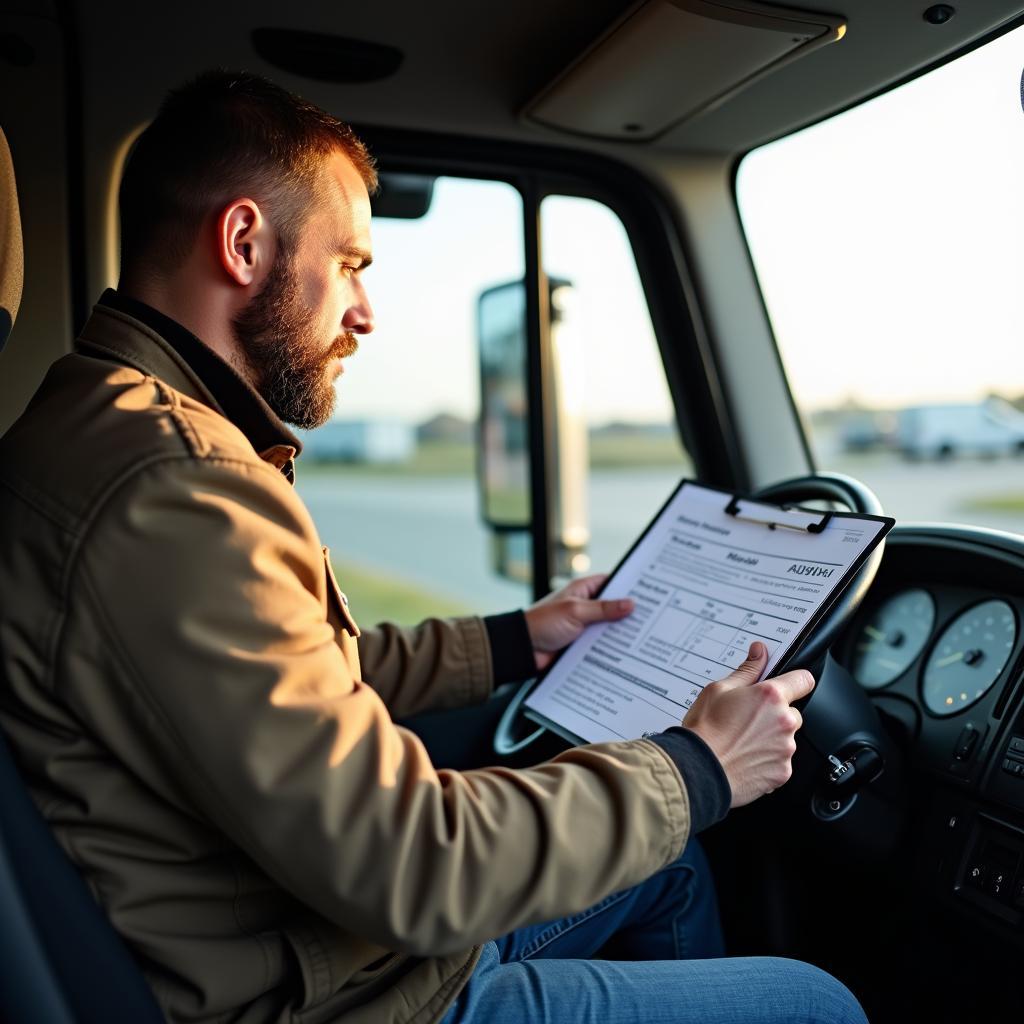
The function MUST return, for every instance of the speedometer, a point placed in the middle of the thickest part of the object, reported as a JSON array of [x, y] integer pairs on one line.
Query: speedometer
[[968, 657], [892, 638]]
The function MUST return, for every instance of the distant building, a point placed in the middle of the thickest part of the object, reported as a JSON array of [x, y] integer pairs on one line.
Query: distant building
[[622, 428], [375, 441], [446, 426]]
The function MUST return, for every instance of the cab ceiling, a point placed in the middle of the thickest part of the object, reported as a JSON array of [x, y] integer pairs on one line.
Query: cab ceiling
[[472, 67]]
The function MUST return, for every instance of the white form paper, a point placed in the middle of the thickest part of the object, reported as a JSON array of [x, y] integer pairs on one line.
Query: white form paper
[[706, 585]]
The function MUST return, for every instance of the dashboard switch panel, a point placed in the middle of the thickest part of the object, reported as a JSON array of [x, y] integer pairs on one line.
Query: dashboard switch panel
[[1005, 781], [992, 872]]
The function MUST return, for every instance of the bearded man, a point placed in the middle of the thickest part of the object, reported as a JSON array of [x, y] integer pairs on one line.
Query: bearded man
[[209, 734]]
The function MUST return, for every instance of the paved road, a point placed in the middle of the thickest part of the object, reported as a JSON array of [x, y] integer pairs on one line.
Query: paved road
[[428, 530], [423, 530]]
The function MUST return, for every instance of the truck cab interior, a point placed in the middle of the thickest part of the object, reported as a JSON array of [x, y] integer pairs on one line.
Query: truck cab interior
[[618, 243]]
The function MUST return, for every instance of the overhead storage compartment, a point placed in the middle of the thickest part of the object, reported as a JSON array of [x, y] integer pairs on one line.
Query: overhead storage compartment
[[669, 60]]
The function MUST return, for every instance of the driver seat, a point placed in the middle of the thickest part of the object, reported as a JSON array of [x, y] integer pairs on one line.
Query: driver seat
[[12, 273], [62, 961]]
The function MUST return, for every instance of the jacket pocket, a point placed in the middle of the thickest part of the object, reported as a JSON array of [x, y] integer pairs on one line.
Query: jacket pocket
[[331, 967]]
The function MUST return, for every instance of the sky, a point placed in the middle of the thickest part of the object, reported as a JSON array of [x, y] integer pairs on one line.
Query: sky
[[427, 275], [889, 240]]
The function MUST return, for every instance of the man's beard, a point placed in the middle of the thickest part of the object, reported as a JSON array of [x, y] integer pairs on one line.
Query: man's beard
[[284, 357]]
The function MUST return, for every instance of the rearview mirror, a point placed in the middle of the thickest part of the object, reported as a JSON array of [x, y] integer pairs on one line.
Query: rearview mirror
[[403, 196]]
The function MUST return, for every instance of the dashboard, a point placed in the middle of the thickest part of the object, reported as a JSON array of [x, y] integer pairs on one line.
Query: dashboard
[[938, 646]]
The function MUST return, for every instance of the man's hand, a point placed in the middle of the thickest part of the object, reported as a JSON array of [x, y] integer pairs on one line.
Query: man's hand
[[556, 620], [750, 725]]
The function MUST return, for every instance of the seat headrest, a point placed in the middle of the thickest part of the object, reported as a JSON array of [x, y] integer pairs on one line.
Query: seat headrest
[[12, 257]]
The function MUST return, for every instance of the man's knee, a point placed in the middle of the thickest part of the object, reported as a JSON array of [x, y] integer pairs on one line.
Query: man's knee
[[818, 997]]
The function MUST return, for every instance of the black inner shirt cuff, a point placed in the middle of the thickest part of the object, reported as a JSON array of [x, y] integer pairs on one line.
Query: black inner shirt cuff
[[706, 782], [511, 650]]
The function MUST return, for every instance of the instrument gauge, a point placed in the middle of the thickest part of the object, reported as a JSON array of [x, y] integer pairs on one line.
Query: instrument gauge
[[968, 657], [894, 635]]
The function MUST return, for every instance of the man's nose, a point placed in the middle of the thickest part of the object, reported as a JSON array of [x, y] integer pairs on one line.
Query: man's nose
[[359, 316]]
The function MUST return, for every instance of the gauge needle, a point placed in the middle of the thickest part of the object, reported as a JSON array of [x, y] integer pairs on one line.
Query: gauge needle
[[950, 659], [875, 634]]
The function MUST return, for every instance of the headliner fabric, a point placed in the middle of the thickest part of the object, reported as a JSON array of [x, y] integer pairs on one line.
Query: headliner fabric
[[12, 263]]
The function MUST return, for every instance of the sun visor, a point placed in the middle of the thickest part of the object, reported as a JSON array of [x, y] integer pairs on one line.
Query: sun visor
[[669, 60]]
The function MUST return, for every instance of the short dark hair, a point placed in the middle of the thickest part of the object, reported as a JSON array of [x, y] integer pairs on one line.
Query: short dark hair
[[223, 135]]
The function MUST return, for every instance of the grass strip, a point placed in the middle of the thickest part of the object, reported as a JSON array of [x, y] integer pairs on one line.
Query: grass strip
[[381, 597]]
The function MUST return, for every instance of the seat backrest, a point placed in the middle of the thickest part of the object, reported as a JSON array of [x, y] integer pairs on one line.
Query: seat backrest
[[61, 959], [12, 259]]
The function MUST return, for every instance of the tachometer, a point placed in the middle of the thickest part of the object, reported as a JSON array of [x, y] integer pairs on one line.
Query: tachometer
[[968, 657], [892, 638]]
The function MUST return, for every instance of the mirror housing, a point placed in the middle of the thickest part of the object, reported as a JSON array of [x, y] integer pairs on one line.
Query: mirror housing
[[504, 452]]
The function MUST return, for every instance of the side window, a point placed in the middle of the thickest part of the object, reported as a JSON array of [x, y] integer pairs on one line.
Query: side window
[[635, 456], [390, 481]]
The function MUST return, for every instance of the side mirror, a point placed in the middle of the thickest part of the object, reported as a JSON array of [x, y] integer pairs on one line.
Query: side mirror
[[512, 554], [504, 449], [504, 452]]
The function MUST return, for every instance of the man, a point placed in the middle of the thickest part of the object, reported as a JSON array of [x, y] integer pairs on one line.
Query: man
[[209, 733]]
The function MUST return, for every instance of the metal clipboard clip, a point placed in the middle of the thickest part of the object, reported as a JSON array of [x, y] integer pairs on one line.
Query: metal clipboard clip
[[774, 516]]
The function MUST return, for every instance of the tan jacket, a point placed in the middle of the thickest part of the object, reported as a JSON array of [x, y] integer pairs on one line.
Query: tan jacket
[[182, 689]]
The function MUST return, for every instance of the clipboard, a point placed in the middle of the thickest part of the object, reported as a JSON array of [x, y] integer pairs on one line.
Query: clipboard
[[701, 596], [784, 517]]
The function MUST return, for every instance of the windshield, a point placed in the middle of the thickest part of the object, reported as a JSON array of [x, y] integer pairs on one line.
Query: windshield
[[888, 243]]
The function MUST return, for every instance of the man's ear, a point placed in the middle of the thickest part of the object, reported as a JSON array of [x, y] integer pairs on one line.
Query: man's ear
[[244, 242]]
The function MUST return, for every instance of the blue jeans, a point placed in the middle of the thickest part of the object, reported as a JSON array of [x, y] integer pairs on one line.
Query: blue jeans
[[652, 954]]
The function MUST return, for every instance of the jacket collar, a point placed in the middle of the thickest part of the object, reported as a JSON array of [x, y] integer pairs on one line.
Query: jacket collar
[[130, 332]]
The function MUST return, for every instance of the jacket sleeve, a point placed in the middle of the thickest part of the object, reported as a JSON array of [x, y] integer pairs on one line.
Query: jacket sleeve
[[441, 663], [200, 587]]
